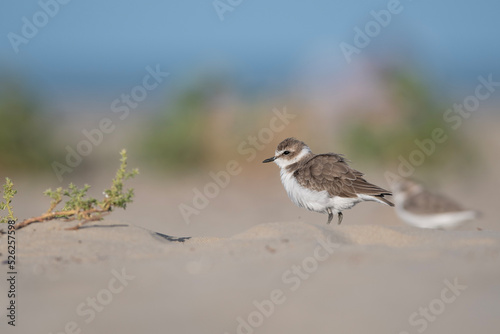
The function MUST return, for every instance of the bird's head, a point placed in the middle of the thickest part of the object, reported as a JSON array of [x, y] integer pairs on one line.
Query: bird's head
[[288, 152]]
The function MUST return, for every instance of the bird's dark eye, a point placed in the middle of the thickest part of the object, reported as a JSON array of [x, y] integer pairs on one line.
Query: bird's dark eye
[[286, 152]]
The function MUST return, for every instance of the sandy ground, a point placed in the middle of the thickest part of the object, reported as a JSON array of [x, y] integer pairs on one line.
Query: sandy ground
[[288, 277], [255, 263]]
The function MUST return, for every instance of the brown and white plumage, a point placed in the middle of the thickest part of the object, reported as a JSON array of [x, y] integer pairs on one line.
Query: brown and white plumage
[[417, 206], [331, 172], [323, 183]]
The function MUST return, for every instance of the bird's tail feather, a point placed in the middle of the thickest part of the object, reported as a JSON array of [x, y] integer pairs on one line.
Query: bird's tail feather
[[386, 201]]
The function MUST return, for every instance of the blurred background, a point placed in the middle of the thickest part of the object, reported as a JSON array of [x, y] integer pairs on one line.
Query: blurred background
[[188, 87]]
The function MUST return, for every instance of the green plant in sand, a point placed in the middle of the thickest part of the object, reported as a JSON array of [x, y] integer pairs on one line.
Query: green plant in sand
[[8, 194], [78, 206]]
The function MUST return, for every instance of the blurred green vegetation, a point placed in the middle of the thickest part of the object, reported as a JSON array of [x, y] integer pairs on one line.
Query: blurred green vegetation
[[199, 127], [25, 136], [205, 122], [381, 137], [196, 129], [175, 135]]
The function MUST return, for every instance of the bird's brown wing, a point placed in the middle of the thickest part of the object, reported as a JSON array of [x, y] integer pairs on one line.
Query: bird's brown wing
[[331, 172]]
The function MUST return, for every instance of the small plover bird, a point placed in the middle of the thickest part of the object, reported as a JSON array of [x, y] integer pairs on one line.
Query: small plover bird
[[323, 183], [419, 207]]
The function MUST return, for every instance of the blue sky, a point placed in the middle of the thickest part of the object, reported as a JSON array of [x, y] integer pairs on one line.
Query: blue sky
[[107, 44]]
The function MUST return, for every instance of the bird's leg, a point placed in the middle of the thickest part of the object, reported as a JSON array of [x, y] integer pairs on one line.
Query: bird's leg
[[340, 216], [330, 215]]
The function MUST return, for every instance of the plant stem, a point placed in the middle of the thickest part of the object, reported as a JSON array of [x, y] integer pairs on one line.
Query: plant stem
[[59, 214]]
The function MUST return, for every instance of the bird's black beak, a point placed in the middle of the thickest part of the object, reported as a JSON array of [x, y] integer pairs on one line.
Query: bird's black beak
[[269, 160]]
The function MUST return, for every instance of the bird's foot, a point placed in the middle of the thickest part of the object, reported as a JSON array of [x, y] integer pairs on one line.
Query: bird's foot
[[340, 216], [330, 216]]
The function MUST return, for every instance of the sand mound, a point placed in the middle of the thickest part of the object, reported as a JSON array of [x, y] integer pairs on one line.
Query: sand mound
[[283, 277]]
